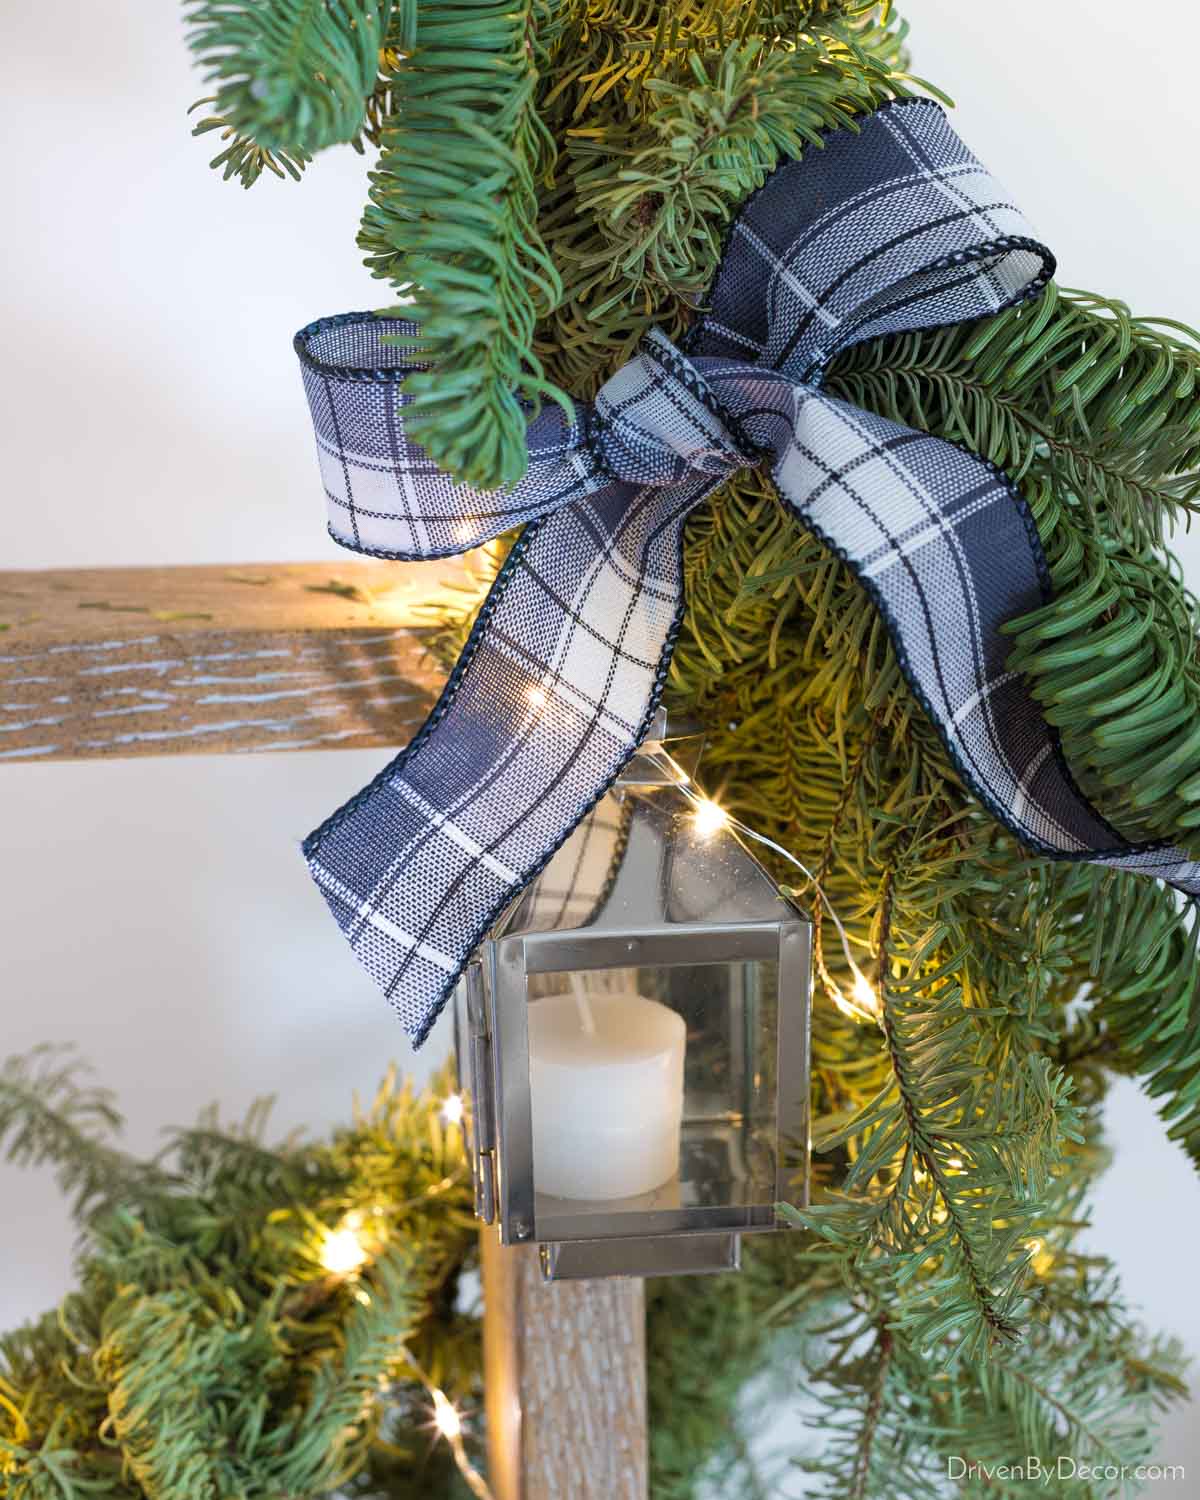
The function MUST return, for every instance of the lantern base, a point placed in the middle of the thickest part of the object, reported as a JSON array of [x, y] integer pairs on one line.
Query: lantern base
[[644, 1255]]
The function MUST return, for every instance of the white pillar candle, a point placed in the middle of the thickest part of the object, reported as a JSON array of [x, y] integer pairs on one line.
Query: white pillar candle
[[607, 1102]]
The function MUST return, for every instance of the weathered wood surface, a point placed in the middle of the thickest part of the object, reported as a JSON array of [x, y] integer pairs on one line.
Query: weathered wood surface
[[565, 1382], [150, 661]]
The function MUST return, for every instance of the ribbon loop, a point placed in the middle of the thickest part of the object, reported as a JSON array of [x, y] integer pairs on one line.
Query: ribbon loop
[[894, 225], [385, 497], [657, 421]]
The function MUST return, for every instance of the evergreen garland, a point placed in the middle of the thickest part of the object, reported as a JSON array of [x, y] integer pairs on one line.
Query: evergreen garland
[[212, 1349], [553, 179]]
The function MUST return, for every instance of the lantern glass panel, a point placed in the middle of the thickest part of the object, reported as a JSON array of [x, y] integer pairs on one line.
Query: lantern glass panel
[[653, 1097]]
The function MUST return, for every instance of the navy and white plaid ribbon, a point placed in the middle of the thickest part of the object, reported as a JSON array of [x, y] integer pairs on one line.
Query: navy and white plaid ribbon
[[895, 226]]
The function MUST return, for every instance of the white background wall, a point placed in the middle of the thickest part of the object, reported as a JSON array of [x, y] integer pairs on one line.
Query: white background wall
[[156, 912]]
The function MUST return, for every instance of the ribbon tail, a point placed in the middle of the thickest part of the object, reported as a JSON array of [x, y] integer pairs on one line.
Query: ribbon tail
[[948, 550], [552, 694]]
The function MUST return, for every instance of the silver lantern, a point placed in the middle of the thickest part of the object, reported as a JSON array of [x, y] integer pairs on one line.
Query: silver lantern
[[633, 1039]]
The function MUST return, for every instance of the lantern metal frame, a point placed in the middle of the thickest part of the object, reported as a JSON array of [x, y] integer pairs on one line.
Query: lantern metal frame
[[492, 1046], [495, 1049]]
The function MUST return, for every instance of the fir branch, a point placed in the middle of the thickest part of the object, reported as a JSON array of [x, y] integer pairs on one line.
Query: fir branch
[[943, 1181], [668, 120], [291, 75], [172, 1432], [824, 866], [202, 1359], [243, 158], [1075, 1387], [705, 1339], [325, 1440], [954, 1173], [1124, 694], [452, 220], [1147, 994], [864, 1462], [660, 195], [48, 1116], [1072, 385], [875, 1397]]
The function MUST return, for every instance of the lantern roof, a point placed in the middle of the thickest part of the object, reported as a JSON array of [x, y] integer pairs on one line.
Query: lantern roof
[[643, 860]]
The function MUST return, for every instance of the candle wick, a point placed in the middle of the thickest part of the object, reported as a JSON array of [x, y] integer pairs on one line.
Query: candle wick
[[586, 1019]]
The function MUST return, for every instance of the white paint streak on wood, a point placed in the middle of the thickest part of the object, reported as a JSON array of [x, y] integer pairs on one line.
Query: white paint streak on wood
[[27, 751], [28, 724]]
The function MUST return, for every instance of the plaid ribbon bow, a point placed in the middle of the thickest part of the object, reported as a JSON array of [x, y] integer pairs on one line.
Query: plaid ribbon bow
[[892, 227]]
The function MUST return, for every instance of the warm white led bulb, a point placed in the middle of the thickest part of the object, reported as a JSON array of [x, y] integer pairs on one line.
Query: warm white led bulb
[[709, 817], [864, 993], [342, 1252], [449, 1423]]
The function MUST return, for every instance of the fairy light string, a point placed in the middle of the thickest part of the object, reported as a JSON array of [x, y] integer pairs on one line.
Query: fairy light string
[[710, 817], [447, 1421]]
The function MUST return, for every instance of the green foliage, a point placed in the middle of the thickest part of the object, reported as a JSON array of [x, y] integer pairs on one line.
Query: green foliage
[[1147, 1019], [208, 1350], [50, 1117], [292, 75], [665, 128], [1071, 385], [1013, 988], [554, 179], [242, 158], [1081, 1384], [706, 1341], [949, 1161], [452, 219]]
